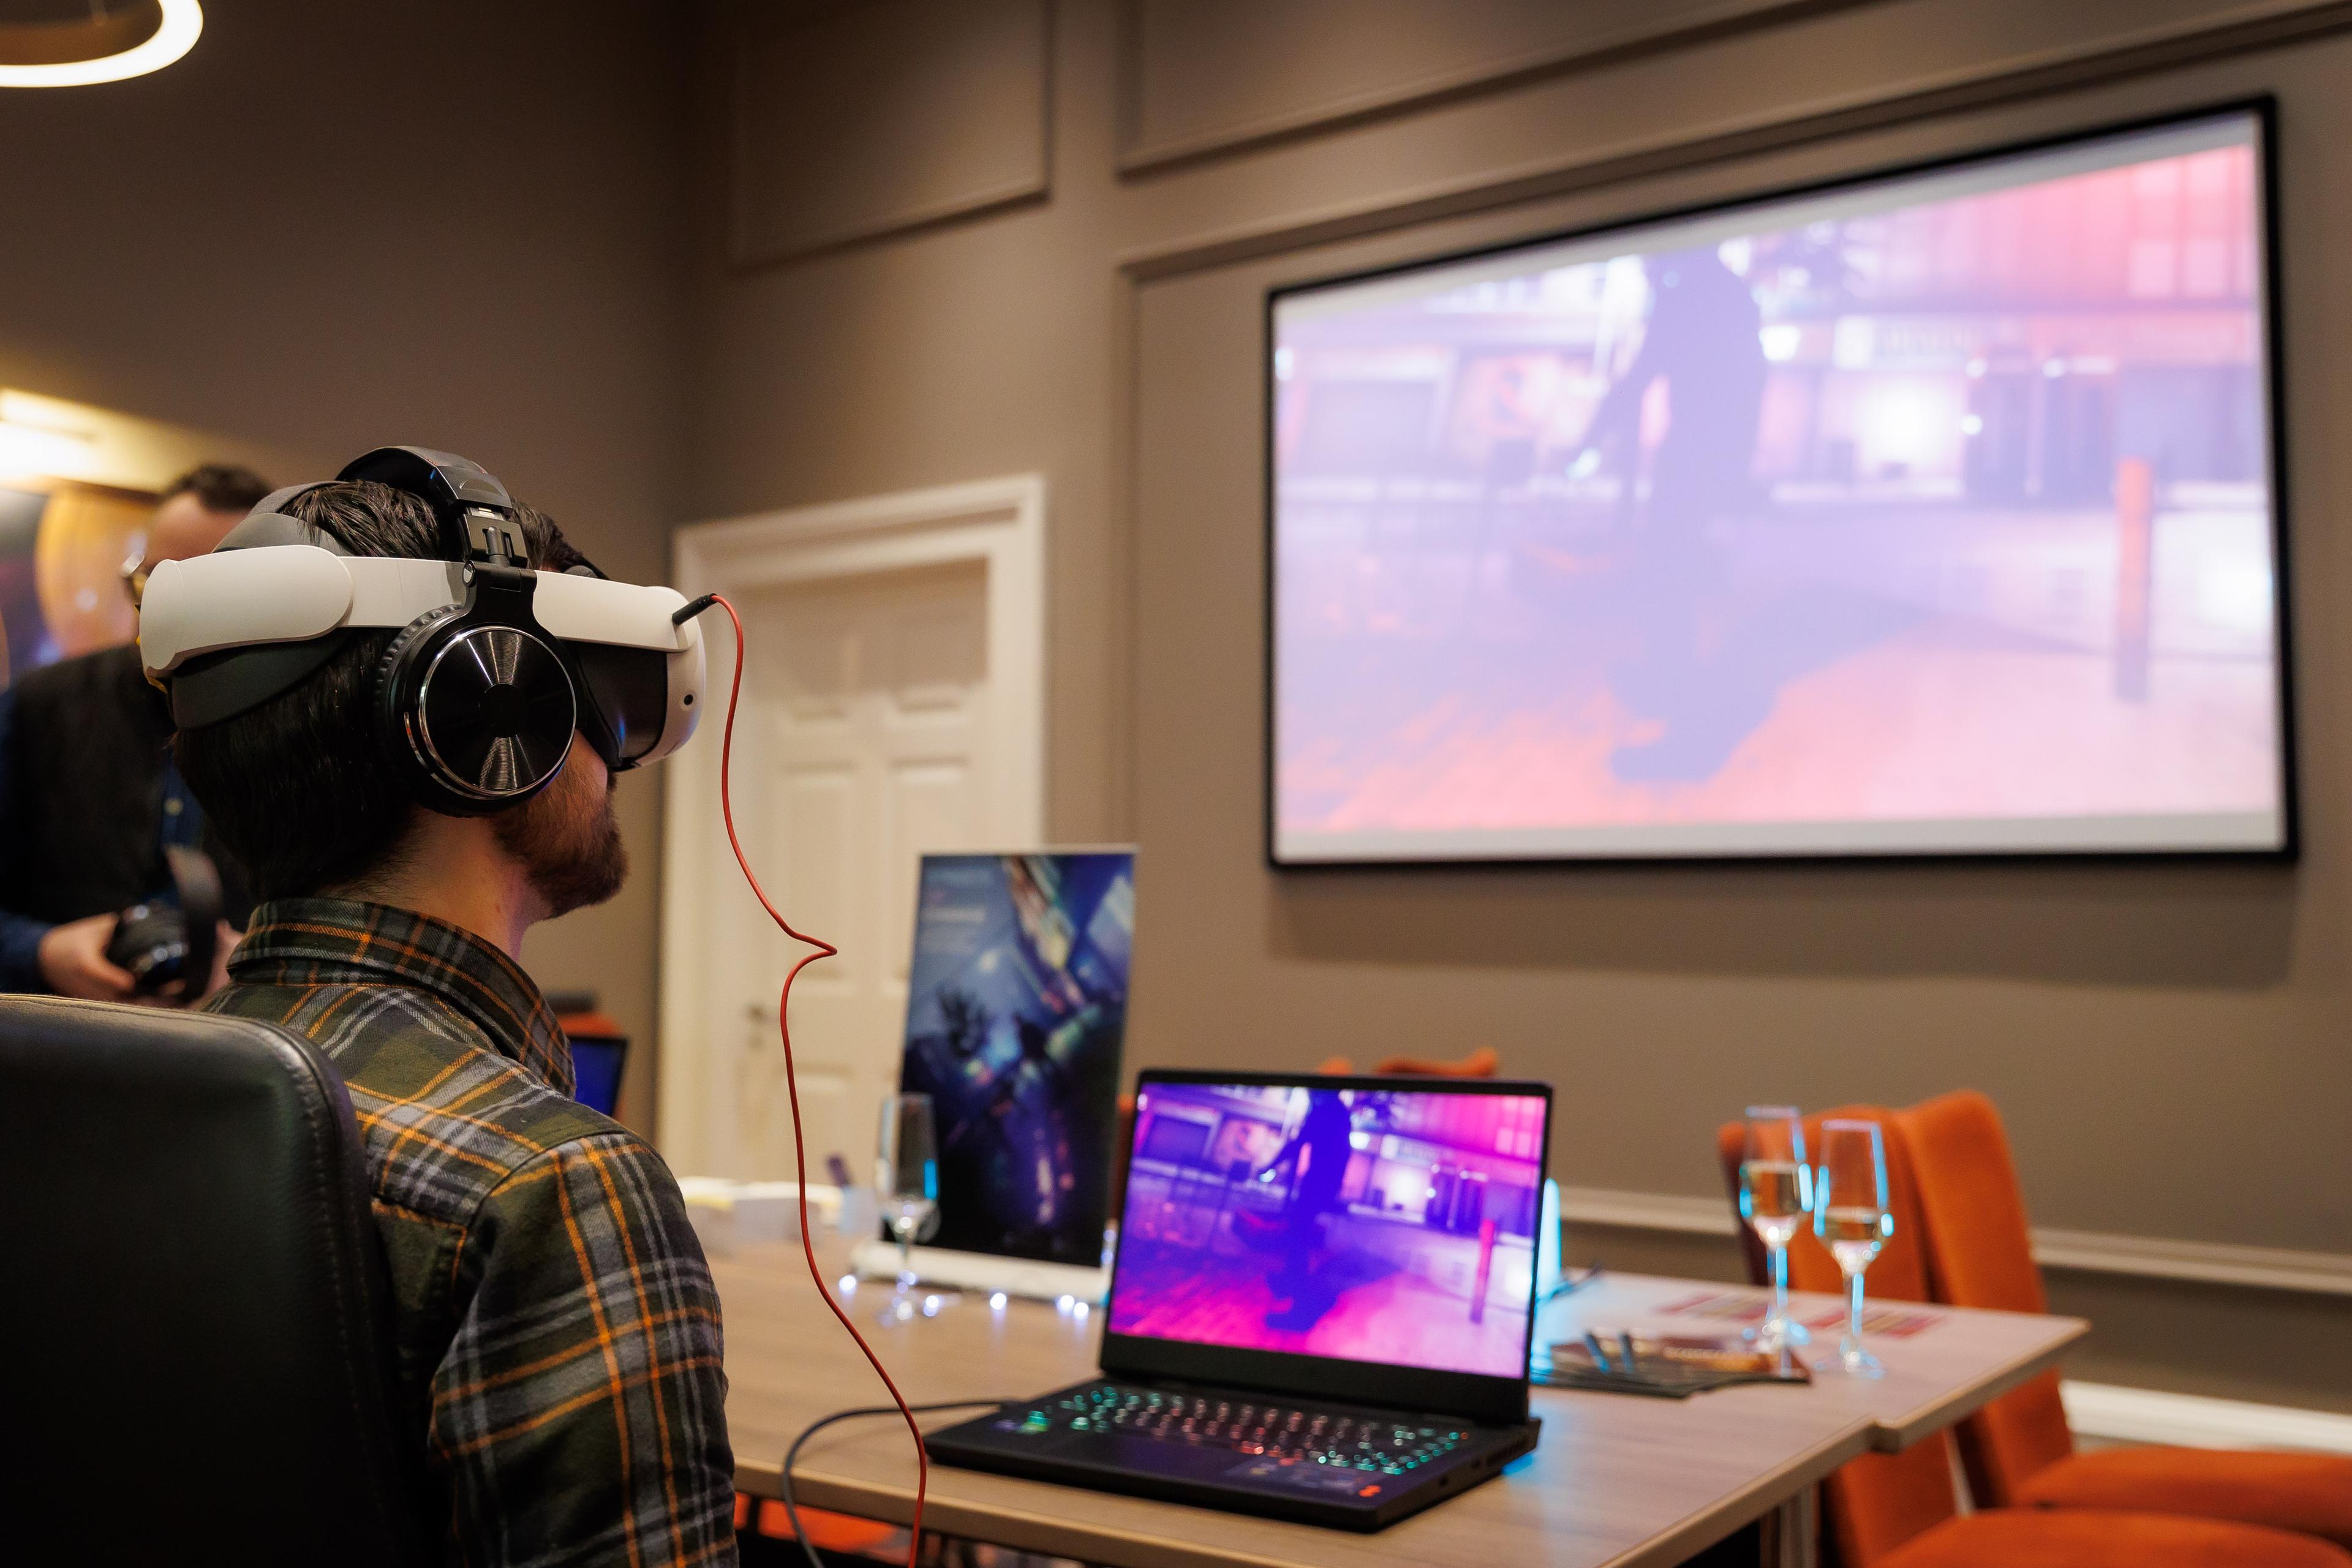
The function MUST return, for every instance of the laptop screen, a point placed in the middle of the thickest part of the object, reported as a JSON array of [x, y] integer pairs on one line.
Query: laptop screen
[[596, 1072], [1394, 1226]]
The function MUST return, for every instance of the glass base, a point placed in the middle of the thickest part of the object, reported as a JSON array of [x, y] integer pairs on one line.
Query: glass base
[[1857, 1362], [907, 1304], [1775, 1333]]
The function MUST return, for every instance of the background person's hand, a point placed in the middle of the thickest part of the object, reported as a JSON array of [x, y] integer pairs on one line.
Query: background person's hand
[[174, 994], [74, 962]]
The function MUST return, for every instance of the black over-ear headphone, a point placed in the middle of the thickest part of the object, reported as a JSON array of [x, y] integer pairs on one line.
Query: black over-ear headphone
[[474, 707]]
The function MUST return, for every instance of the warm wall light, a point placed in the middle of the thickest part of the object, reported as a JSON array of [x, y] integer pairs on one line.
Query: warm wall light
[[29, 451], [145, 36]]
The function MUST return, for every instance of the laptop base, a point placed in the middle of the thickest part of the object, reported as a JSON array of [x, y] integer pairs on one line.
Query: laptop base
[[1188, 1456]]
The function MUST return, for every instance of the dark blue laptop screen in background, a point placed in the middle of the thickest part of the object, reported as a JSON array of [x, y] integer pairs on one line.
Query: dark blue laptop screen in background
[[596, 1068]]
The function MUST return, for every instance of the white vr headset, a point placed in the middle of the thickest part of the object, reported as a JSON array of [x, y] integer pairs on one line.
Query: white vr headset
[[495, 667]]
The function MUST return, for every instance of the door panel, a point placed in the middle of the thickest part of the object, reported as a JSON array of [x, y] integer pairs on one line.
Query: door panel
[[864, 708]]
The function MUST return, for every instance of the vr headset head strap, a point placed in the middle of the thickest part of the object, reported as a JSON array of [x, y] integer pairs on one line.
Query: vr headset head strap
[[477, 515], [270, 523]]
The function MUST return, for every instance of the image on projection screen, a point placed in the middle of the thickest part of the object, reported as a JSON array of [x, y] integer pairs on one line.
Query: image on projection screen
[[1927, 514]]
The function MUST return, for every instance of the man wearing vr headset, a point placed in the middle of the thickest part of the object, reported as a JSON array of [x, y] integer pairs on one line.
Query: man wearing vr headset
[[403, 700]]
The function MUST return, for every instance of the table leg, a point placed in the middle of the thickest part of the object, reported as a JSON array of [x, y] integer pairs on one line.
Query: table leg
[[1788, 1537]]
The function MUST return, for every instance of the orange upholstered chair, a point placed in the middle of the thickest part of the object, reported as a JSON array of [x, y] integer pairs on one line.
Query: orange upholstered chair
[[1899, 1510], [1480, 1063], [1483, 1062], [2019, 1449], [2097, 1538], [840, 1532]]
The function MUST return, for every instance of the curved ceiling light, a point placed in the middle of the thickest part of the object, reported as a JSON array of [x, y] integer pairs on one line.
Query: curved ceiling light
[[143, 36]]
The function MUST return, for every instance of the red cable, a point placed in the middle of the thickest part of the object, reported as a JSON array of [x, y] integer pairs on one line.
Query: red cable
[[822, 949]]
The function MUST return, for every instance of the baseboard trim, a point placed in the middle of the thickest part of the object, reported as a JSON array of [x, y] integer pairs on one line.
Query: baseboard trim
[[2104, 1410], [2076, 1251]]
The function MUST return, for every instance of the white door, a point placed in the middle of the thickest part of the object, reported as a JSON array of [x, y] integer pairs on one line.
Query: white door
[[879, 719], [871, 706]]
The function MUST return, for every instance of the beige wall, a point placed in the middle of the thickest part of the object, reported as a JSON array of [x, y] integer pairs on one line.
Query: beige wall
[[323, 231], [2169, 1043], [514, 231]]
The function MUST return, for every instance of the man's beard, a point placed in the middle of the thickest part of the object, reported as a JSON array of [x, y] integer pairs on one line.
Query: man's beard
[[568, 842]]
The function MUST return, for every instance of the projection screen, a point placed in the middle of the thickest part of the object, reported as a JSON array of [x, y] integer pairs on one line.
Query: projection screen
[[1934, 512]]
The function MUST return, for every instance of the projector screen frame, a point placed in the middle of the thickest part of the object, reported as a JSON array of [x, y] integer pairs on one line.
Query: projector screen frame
[[2262, 109]]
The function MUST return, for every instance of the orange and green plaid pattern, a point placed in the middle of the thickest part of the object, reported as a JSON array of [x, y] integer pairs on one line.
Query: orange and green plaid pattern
[[556, 1326]]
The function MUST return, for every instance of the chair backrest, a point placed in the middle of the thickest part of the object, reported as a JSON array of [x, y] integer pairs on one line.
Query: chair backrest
[[196, 1303], [1730, 1144], [1879, 1502], [1981, 1254], [1483, 1062]]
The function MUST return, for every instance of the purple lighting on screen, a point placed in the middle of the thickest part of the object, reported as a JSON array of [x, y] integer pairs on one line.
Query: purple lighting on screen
[[1369, 1226]]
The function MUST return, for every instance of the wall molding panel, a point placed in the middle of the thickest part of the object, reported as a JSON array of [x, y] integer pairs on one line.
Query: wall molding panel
[[1153, 135], [2077, 1251], [937, 109], [2240, 29]]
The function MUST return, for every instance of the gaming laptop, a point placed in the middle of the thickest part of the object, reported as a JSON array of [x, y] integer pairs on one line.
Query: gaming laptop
[[1321, 1307]]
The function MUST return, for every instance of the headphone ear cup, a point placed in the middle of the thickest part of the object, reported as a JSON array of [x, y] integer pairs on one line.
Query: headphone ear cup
[[397, 681], [477, 728]]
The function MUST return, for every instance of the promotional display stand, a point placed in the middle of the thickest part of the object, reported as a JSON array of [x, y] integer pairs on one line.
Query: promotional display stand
[[1016, 1012]]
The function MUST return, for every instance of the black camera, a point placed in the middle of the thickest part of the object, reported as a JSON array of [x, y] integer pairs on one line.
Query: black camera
[[168, 940]]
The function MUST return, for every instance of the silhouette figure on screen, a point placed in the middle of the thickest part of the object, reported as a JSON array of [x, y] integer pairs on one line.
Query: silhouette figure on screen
[[1704, 338], [1322, 1145]]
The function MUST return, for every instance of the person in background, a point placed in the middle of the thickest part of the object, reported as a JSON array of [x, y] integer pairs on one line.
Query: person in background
[[89, 795]]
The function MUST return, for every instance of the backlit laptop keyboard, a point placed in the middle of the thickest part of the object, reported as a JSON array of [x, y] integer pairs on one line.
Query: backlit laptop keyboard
[[1377, 1443]]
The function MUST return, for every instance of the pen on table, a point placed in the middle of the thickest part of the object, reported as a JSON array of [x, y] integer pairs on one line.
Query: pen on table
[[1600, 1356], [1625, 1343], [1568, 1287]]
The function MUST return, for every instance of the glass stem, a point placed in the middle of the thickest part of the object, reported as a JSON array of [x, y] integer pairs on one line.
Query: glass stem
[[1779, 1283], [1854, 1310], [906, 1250]]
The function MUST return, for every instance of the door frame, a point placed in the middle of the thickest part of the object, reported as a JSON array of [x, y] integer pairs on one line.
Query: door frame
[[997, 522]]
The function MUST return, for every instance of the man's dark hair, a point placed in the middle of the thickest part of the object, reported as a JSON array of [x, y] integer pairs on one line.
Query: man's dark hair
[[220, 487], [299, 789]]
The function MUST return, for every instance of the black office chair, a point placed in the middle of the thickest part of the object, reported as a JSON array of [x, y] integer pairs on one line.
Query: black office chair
[[195, 1362]]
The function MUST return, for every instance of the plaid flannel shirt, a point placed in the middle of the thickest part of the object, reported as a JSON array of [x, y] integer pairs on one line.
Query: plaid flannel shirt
[[556, 1328]]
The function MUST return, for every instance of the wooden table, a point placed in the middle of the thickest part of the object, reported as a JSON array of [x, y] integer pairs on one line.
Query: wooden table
[[1620, 1480], [1955, 1362]]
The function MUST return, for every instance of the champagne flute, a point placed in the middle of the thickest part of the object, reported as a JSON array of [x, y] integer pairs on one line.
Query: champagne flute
[[1851, 1217], [1775, 1196], [907, 1187]]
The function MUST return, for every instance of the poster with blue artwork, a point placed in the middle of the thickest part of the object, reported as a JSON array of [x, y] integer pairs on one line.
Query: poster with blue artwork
[[1016, 1008]]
